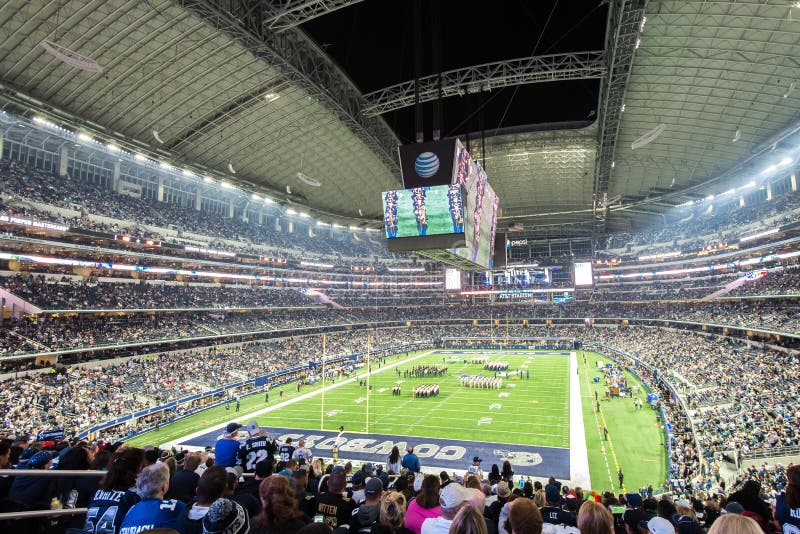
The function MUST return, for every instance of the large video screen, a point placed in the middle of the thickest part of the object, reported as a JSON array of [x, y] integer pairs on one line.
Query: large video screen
[[583, 274], [482, 209], [423, 211]]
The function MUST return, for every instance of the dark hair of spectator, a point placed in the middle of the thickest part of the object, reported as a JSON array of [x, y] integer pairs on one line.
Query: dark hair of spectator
[[428, 496], [277, 498], [123, 469]]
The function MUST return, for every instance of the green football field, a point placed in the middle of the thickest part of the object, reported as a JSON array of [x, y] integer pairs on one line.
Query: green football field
[[534, 411], [437, 211]]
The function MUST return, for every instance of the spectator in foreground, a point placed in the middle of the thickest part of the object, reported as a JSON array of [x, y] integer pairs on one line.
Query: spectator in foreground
[[733, 524], [525, 518], [152, 511], [367, 515], [335, 508], [209, 488], [226, 517], [468, 520], [787, 504], [451, 499], [594, 518], [392, 515], [114, 498], [279, 514], [183, 483], [424, 505]]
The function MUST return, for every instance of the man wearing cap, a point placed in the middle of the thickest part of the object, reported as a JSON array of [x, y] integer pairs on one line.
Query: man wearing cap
[[552, 512], [411, 461], [258, 446], [226, 517], [335, 508], [227, 446], [358, 493], [634, 514], [368, 513], [451, 499], [475, 468], [502, 491]]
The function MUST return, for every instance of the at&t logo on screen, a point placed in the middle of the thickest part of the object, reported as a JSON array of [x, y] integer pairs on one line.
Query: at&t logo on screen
[[426, 164]]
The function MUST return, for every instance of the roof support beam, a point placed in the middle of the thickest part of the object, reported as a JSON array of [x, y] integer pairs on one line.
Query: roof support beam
[[288, 14], [303, 64], [520, 71], [622, 37]]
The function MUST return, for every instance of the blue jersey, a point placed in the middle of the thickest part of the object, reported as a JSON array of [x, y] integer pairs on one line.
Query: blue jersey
[[150, 514], [106, 510], [226, 452], [789, 518]]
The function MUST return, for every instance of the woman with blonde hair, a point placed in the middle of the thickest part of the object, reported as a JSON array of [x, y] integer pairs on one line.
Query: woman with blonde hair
[[539, 499], [468, 520], [735, 524], [392, 515], [594, 518]]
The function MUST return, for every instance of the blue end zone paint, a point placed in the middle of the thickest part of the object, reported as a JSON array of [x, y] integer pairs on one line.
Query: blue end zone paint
[[528, 460]]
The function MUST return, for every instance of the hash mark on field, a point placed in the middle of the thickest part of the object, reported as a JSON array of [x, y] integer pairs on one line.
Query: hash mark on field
[[495, 406], [503, 395], [360, 400], [484, 421], [333, 413]]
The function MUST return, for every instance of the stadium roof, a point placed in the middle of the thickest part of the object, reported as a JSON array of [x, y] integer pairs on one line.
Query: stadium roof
[[311, 94]]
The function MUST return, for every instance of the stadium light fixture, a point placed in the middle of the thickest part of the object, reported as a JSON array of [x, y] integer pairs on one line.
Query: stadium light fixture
[[303, 215], [322, 223], [785, 161], [268, 200], [140, 157], [84, 137], [255, 197], [737, 135], [334, 225], [271, 97], [187, 172], [165, 165], [226, 185], [112, 148], [771, 169], [290, 211], [354, 228], [230, 168], [208, 179]]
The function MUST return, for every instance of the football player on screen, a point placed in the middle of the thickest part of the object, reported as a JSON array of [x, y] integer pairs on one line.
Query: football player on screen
[[418, 195], [456, 208]]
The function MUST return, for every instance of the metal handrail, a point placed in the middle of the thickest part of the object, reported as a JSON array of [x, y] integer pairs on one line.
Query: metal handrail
[[32, 514], [50, 473]]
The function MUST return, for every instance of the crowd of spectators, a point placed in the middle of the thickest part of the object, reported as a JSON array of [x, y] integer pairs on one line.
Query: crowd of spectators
[[89, 332], [72, 295], [693, 230], [177, 490], [20, 183]]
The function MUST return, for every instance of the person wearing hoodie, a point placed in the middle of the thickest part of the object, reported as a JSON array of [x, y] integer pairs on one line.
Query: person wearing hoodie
[[368, 514], [210, 487], [33, 492]]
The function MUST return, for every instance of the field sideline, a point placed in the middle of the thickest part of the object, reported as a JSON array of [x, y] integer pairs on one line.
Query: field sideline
[[526, 411]]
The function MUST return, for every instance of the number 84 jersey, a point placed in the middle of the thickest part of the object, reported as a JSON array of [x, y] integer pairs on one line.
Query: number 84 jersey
[[256, 449]]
